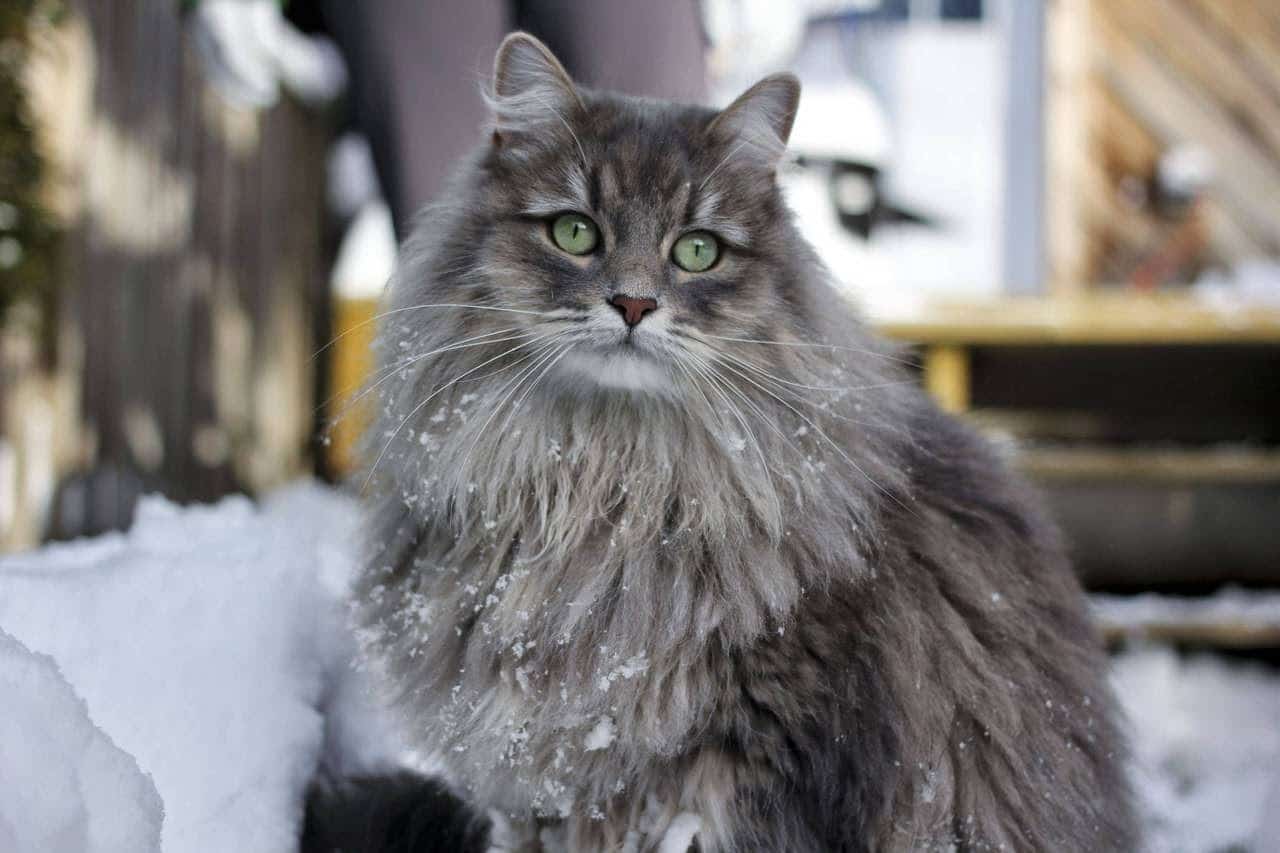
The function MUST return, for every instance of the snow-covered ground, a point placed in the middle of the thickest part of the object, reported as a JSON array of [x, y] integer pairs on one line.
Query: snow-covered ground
[[176, 687], [204, 645], [1206, 737], [1245, 611]]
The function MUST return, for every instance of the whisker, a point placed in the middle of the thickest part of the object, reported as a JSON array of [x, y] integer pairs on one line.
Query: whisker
[[823, 406], [364, 486], [782, 386], [514, 385], [795, 344], [826, 437], [759, 413], [741, 418], [380, 316], [349, 405], [679, 362], [390, 370], [756, 409], [720, 354], [555, 335], [519, 403]]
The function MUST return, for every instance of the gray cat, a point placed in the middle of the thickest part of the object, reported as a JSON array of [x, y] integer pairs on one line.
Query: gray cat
[[670, 551]]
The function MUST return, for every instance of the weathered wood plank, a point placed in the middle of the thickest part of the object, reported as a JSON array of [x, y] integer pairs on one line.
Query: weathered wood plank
[[1097, 318], [197, 277], [1246, 176], [1231, 464], [1205, 57], [1254, 26], [1067, 113]]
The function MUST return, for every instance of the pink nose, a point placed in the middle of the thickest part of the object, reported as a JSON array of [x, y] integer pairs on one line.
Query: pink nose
[[632, 309]]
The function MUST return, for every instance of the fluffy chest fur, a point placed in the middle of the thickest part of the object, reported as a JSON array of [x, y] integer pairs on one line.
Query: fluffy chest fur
[[559, 600]]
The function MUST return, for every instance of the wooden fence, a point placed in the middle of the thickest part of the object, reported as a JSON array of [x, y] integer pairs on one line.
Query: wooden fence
[[1129, 82], [193, 293]]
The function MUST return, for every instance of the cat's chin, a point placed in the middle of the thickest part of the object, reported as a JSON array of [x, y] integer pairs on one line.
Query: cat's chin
[[620, 367]]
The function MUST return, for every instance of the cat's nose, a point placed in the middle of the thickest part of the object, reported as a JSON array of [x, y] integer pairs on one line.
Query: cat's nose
[[633, 309]]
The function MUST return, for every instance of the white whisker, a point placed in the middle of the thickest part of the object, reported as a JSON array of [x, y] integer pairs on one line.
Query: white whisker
[[409, 361], [840, 450], [514, 386], [429, 398], [741, 418], [380, 316], [801, 345], [719, 354]]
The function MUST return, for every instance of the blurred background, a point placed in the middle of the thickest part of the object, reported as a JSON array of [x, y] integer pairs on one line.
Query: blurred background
[[1068, 212]]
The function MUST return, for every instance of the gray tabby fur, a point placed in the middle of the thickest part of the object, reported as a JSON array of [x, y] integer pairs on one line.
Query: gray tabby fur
[[629, 587]]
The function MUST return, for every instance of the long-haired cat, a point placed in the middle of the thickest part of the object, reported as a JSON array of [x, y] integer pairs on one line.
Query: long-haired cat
[[670, 551]]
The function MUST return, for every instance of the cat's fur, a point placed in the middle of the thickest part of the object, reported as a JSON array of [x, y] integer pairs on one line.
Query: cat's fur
[[734, 571]]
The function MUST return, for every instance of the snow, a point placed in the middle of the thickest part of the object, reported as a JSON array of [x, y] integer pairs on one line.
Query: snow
[[205, 643], [1206, 736], [176, 688], [601, 736], [680, 834], [67, 787], [1252, 609]]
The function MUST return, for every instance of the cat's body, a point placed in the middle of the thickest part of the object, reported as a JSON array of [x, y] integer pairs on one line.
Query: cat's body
[[729, 570]]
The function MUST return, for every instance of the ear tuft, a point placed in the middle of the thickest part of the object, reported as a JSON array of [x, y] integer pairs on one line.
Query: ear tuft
[[761, 118], [529, 84]]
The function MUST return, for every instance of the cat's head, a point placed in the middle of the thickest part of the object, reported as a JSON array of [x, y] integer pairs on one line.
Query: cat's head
[[645, 233], [614, 286]]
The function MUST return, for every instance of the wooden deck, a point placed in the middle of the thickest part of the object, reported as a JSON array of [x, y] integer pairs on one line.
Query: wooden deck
[[949, 331]]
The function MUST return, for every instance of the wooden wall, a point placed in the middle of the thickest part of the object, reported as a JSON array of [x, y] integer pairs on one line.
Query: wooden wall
[[195, 289], [1129, 81]]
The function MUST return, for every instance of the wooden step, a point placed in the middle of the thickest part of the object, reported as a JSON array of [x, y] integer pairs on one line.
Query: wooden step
[[1219, 464]]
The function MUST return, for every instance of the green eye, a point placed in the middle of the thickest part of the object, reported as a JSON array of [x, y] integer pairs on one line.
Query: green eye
[[574, 233], [696, 251]]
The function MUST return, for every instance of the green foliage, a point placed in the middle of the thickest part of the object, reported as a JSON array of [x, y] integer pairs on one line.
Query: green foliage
[[28, 235]]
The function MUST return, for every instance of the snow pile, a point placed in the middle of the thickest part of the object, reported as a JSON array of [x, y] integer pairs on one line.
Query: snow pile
[[1206, 738], [67, 787], [1239, 609], [205, 643]]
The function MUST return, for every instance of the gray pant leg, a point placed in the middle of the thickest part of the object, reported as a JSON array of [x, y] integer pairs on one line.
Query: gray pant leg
[[641, 47], [417, 69]]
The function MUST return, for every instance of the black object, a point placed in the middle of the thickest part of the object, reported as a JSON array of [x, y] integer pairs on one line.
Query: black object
[[399, 813]]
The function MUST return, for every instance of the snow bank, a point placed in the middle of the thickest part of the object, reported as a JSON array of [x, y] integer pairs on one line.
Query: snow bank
[[66, 787], [207, 642], [1206, 737], [1231, 606]]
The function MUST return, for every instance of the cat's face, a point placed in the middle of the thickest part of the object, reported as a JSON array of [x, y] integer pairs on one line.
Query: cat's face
[[641, 232]]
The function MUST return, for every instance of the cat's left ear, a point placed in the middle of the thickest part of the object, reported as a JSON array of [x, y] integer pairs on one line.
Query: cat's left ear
[[759, 122], [530, 87]]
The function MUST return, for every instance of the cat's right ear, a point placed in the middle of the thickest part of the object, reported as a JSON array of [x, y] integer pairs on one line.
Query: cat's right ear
[[530, 87]]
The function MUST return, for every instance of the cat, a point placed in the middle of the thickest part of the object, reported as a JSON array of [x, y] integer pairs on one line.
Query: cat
[[669, 551]]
